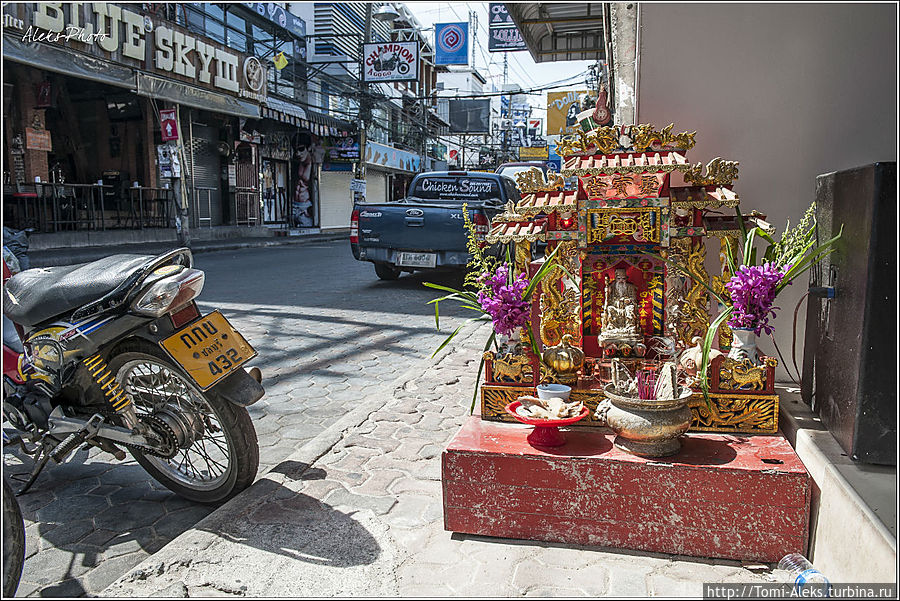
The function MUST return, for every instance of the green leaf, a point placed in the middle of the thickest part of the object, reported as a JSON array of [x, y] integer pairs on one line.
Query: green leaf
[[437, 322], [729, 256], [707, 346], [749, 251], [801, 266], [487, 345], [740, 221], [534, 345]]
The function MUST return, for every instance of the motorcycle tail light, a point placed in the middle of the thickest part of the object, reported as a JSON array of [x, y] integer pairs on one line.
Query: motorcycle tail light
[[169, 293], [185, 315], [354, 228]]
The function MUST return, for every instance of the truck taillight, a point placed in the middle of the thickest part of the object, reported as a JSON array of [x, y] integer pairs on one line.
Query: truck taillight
[[481, 228], [354, 227]]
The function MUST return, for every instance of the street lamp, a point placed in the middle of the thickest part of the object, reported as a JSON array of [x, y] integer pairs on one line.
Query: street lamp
[[386, 13]]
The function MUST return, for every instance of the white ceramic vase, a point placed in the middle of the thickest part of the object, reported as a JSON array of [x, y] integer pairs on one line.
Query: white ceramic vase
[[743, 346]]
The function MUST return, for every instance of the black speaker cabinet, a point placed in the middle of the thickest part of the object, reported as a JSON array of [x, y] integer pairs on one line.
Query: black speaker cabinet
[[851, 339]]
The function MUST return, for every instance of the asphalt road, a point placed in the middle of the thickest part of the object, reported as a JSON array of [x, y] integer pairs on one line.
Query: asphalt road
[[325, 328]]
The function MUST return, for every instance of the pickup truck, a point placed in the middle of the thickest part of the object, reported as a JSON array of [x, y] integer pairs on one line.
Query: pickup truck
[[425, 229]]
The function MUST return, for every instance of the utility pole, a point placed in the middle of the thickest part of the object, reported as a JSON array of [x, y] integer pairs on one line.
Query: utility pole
[[364, 104]]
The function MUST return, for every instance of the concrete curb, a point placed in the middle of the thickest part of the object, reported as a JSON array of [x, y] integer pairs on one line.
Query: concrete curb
[[310, 452], [71, 256]]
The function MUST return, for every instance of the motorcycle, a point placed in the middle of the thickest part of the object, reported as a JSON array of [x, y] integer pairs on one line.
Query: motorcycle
[[118, 356], [391, 63]]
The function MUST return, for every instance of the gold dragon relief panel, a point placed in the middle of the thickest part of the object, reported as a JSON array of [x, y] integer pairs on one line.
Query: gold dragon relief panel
[[744, 414], [494, 400]]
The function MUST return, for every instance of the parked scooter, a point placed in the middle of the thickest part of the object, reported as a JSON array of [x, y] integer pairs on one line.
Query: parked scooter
[[117, 356]]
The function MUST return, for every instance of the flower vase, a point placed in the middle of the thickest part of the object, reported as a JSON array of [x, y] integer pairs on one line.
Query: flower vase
[[743, 346]]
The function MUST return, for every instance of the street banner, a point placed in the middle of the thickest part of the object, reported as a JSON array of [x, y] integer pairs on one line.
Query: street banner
[[562, 111], [503, 35], [451, 43], [168, 124], [533, 153], [391, 61]]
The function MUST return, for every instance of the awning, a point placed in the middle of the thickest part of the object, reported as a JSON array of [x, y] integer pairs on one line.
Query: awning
[[283, 111], [561, 31], [67, 62], [179, 93]]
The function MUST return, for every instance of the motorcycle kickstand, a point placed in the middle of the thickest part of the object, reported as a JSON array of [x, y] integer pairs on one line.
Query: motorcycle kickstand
[[40, 461], [59, 451]]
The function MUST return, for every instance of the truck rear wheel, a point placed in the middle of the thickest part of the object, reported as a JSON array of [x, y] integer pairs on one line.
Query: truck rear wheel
[[386, 271]]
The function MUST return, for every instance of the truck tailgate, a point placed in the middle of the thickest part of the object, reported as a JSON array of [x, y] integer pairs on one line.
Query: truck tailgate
[[432, 227]]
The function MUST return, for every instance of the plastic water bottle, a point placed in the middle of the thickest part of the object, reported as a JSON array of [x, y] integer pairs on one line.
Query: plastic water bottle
[[805, 575]]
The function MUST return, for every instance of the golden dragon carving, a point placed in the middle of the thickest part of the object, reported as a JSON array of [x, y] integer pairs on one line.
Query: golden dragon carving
[[560, 311]]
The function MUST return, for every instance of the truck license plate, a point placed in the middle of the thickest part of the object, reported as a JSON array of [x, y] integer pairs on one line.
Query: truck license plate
[[208, 349], [416, 259]]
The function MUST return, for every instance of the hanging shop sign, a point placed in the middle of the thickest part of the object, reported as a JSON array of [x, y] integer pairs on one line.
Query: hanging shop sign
[[126, 37], [38, 139], [342, 150], [388, 156], [503, 35], [168, 125], [527, 153], [279, 16], [392, 61], [562, 111], [451, 44]]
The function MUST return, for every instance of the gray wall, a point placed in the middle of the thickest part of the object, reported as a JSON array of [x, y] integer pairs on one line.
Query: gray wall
[[790, 91]]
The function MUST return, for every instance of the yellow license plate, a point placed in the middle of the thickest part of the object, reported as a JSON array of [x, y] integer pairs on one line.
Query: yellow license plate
[[208, 349]]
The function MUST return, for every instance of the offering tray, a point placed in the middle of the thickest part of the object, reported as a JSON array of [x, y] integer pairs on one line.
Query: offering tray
[[546, 431]]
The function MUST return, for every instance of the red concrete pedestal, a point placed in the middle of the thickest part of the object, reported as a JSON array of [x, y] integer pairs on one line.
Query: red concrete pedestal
[[723, 496]]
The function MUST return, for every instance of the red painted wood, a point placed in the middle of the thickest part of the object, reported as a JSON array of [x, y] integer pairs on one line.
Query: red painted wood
[[716, 498]]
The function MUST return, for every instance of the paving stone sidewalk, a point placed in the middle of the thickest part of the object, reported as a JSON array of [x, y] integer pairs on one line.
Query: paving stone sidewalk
[[357, 512]]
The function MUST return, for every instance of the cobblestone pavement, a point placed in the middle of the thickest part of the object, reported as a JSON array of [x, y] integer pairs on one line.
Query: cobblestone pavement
[[366, 520], [325, 328]]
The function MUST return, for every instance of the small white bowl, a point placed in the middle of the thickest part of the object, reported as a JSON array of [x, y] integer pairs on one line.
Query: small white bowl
[[551, 391]]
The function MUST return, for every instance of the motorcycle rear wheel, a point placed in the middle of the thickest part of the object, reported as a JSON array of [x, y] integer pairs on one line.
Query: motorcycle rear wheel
[[13, 542], [222, 458]]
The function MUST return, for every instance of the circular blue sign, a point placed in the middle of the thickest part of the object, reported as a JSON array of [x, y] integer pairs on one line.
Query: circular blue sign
[[452, 38]]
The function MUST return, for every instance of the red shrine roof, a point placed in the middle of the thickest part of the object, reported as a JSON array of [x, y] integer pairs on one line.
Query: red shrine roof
[[548, 202], [629, 161], [517, 232]]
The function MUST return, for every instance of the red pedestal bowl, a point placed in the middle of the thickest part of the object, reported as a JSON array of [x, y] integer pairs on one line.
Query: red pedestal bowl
[[546, 431]]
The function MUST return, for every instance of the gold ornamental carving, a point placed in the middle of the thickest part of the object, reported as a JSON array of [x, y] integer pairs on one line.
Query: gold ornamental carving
[[560, 305], [718, 172], [494, 400], [606, 140], [606, 223], [523, 256], [748, 413], [510, 367], [743, 375], [695, 308], [718, 285], [532, 181]]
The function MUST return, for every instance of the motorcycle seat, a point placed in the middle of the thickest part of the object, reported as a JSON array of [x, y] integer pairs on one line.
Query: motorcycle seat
[[34, 296]]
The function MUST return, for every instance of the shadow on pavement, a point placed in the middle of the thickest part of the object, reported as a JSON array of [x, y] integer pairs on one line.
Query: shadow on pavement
[[93, 515]]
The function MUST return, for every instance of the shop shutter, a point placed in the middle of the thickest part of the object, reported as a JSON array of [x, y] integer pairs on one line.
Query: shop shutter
[[335, 199], [203, 162], [376, 186]]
